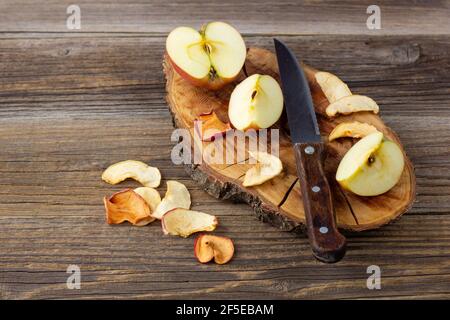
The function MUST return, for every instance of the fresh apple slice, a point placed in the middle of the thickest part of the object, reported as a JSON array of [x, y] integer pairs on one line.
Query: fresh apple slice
[[333, 87], [257, 102], [150, 195], [183, 222], [353, 129], [267, 167], [137, 170], [371, 167], [177, 196], [354, 103], [210, 58], [127, 205], [208, 247], [208, 126]]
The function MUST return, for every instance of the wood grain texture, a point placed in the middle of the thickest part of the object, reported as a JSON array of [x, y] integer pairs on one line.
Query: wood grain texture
[[280, 200], [70, 106], [250, 17]]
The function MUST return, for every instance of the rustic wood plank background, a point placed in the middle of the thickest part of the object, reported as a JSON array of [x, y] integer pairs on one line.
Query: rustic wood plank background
[[73, 102]]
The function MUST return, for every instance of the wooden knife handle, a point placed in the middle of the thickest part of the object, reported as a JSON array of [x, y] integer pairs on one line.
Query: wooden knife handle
[[328, 245]]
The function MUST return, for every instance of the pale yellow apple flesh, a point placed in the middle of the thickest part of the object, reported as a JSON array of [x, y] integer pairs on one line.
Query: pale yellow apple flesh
[[333, 87], [371, 167], [267, 168], [353, 129], [350, 104], [257, 102], [209, 58]]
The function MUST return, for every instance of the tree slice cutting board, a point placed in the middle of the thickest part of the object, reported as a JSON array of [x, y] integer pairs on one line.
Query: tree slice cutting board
[[279, 201]]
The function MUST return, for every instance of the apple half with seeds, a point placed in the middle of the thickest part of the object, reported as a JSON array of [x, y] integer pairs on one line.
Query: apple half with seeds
[[372, 166], [255, 103], [211, 57]]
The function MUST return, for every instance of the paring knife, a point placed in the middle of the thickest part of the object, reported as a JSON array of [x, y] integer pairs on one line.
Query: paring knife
[[327, 244]]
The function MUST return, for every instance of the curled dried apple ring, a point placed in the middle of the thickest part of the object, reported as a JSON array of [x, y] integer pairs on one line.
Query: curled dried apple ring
[[127, 205], [353, 129], [268, 167], [137, 170], [177, 196], [333, 87], [150, 195], [183, 222], [208, 247], [208, 126], [350, 104]]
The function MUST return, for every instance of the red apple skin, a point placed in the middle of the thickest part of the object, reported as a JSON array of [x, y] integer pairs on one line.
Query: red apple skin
[[206, 82]]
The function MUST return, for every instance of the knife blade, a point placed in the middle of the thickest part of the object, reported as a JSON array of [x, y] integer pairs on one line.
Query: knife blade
[[327, 243]]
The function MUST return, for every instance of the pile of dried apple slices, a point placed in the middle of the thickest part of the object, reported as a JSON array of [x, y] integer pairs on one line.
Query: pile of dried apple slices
[[144, 205]]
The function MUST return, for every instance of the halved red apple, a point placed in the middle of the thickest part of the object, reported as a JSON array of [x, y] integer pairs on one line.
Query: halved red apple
[[208, 247], [210, 58]]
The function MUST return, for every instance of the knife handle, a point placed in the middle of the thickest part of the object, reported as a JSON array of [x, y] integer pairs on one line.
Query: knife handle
[[327, 243]]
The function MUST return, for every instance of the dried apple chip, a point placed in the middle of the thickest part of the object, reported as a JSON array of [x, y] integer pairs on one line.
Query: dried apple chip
[[150, 195], [353, 129], [268, 167], [208, 126], [137, 170], [177, 196], [208, 247], [333, 87], [127, 205], [183, 222], [354, 103]]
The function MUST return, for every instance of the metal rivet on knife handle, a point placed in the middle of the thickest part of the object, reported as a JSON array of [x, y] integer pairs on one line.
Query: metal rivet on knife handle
[[309, 150], [323, 230]]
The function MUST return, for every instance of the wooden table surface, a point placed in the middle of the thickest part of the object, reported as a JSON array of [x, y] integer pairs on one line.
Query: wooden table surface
[[74, 101]]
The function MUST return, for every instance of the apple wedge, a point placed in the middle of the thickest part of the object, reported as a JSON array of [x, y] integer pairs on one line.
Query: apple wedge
[[353, 129], [208, 247], [177, 196], [267, 167], [183, 222], [350, 104], [371, 167], [210, 58], [257, 103], [333, 87]]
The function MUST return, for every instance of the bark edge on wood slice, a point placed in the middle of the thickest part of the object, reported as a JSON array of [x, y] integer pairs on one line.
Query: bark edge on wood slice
[[278, 201]]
